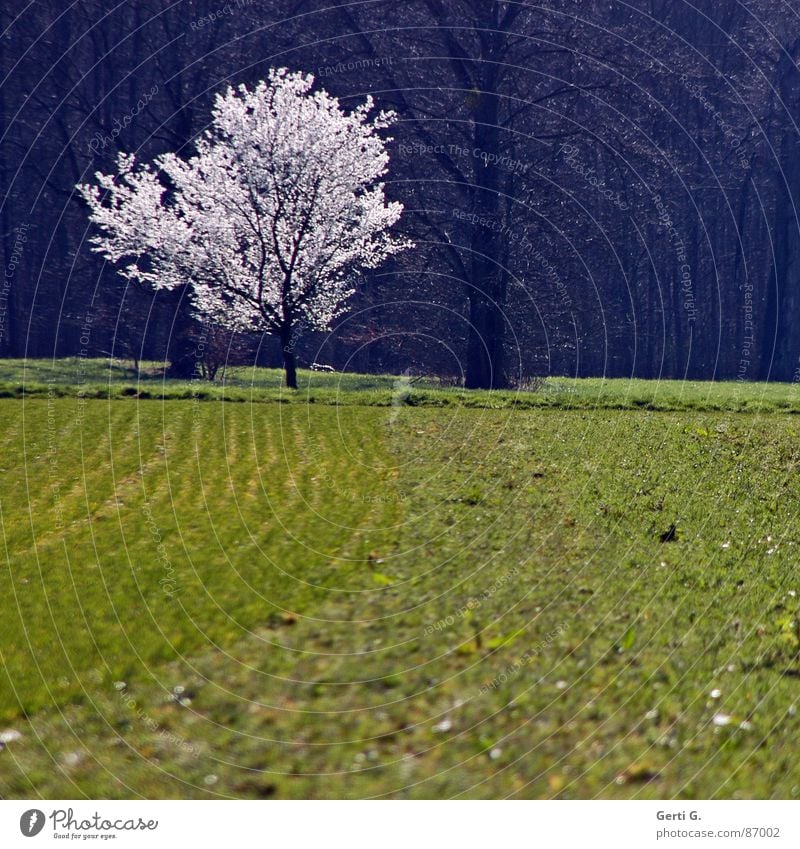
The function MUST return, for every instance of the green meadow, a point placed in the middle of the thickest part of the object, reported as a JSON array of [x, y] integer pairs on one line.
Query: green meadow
[[377, 587]]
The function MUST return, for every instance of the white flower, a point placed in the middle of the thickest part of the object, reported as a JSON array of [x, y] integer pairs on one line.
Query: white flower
[[9, 736], [721, 719], [444, 725], [715, 694]]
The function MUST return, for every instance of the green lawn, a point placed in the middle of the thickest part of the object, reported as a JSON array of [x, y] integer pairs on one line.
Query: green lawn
[[446, 595]]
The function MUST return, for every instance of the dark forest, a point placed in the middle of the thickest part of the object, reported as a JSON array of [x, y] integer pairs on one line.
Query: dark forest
[[594, 188]]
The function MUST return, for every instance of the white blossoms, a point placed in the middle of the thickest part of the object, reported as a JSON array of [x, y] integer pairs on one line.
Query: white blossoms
[[270, 219]]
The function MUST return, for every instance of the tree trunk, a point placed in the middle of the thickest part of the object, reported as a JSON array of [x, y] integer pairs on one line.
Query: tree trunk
[[485, 344], [781, 348], [289, 359], [7, 296], [184, 352]]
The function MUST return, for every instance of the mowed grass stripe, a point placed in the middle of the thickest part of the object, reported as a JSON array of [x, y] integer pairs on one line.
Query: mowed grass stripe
[[172, 559]]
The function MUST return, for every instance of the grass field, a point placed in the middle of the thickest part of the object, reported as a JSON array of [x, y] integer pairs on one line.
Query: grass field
[[589, 591]]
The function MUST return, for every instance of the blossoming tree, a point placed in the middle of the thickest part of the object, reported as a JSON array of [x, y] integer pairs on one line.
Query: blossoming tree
[[269, 221]]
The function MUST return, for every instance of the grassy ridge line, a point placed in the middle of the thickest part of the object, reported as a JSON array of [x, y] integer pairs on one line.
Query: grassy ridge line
[[614, 398], [113, 380]]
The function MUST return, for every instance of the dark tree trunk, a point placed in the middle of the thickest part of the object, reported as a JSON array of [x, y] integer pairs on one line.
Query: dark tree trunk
[[184, 352], [485, 342], [781, 343], [6, 226], [485, 366], [289, 359]]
